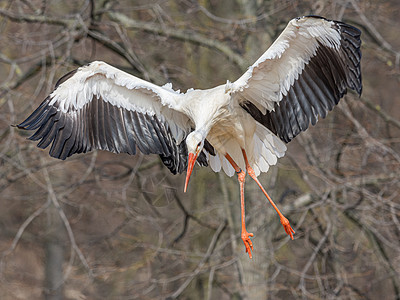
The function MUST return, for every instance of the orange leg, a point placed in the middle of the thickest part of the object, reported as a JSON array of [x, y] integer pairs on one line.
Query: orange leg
[[241, 177], [285, 222]]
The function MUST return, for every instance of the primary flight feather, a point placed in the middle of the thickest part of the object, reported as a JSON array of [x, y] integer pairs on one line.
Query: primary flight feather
[[238, 127]]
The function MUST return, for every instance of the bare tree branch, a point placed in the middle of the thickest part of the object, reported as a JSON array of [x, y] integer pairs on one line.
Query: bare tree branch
[[175, 33]]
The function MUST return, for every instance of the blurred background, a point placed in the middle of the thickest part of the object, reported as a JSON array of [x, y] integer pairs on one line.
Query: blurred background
[[107, 226]]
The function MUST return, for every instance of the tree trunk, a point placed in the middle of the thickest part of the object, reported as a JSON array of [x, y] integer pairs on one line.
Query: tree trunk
[[54, 245]]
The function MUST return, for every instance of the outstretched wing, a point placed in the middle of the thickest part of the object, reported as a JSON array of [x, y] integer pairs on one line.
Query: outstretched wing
[[303, 74], [100, 107]]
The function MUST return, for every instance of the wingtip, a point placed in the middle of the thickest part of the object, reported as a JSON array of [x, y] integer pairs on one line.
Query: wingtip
[[19, 126]]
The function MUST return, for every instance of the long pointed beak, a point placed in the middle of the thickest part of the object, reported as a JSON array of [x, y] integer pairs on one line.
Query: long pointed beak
[[191, 160]]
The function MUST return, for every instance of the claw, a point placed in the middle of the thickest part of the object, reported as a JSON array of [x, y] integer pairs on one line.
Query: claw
[[247, 242], [289, 230]]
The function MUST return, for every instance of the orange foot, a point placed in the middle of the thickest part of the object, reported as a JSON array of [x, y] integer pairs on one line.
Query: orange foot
[[247, 242], [289, 230]]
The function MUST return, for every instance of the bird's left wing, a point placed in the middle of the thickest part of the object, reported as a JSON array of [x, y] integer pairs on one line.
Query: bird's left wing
[[101, 107], [303, 74]]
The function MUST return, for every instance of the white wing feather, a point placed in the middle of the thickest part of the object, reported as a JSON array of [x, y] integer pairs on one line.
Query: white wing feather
[[270, 77], [121, 90]]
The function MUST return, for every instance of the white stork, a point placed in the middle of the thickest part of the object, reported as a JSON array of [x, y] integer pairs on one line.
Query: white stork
[[239, 126]]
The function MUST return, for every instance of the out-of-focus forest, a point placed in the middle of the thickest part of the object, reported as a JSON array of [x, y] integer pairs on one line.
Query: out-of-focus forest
[[107, 226]]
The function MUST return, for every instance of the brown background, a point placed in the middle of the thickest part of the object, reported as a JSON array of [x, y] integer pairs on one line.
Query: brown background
[[106, 226]]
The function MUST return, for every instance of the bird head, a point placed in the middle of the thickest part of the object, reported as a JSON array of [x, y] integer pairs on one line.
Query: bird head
[[194, 143]]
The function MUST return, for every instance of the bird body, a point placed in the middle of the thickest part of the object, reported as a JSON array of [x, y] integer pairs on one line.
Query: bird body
[[238, 127], [226, 125]]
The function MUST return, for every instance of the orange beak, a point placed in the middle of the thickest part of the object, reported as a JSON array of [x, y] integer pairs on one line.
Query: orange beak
[[191, 160]]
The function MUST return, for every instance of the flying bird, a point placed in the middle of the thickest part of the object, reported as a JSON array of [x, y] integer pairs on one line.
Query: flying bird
[[240, 127]]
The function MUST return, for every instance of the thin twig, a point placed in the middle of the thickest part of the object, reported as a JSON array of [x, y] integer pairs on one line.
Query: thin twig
[[74, 246], [22, 228], [37, 19], [201, 263], [314, 255]]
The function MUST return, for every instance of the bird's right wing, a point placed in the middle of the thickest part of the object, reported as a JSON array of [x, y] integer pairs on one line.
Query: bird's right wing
[[302, 75], [101, 107]]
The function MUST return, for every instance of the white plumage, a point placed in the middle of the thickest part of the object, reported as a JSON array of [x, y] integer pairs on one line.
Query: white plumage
[[237, 126]]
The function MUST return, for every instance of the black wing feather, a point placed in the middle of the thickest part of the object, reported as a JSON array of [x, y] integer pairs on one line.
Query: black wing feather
[[100, 125]]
